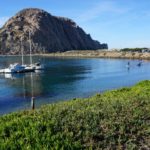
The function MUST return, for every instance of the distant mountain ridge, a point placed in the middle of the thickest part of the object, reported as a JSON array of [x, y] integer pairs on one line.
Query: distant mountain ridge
[[48, 34]]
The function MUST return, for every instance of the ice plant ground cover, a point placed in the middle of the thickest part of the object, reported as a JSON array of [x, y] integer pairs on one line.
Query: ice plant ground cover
[[118, 119]]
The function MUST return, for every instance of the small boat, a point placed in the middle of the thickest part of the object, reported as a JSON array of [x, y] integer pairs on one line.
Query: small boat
[[13, 68], [33, 67], [29, 68], [38, 66]]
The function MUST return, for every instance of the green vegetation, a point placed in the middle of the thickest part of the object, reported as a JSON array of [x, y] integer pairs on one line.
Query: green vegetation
[[118, 119], [134, 49]]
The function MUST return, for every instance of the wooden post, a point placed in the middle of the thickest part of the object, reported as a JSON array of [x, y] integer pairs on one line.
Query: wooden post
[[32, 103]]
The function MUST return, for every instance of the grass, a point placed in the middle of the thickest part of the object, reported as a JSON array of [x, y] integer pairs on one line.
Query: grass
[[118, 119]]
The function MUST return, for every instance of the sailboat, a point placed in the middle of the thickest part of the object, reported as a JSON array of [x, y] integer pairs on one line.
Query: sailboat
[[35, 66], [18, 68], [38, 66], [14, 68], [28, 68]]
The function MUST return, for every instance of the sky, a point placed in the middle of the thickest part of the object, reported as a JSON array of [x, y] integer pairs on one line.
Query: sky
[[119, 23]]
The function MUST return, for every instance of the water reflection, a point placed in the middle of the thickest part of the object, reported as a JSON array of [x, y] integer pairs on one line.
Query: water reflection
[[13, 76], [56, 81]]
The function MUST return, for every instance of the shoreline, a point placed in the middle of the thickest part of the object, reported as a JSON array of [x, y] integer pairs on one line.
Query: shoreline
[[100, 54], [94, 54]]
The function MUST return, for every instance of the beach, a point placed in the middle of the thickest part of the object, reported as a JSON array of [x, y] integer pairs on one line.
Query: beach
[[100, 54]]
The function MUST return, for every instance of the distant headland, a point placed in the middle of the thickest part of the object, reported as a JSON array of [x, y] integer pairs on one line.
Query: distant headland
[[48, 34]]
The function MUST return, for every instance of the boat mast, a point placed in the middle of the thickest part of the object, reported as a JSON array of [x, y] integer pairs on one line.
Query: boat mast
[[30, 48], [22, 52]]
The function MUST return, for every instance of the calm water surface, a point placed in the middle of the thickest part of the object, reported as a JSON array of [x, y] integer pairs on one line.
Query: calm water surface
[[64, 79]]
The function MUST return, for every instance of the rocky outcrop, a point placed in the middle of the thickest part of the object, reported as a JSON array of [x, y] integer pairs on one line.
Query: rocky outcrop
[[48, 34]]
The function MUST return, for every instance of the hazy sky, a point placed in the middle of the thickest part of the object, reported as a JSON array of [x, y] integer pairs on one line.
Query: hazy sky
[[120, 23]]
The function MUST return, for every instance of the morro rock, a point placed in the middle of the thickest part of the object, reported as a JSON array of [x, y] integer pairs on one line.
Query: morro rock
[[48, 34]]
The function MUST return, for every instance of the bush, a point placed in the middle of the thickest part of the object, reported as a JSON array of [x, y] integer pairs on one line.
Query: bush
[[118, 119]]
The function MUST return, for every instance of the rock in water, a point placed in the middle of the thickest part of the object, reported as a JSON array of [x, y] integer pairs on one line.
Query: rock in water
[[48, 34]]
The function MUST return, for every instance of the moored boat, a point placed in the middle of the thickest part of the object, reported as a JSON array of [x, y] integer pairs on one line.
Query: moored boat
[[38, 66], [13, 68]]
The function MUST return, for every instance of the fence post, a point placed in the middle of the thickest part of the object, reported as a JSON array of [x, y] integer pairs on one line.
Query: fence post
[[33, 103]]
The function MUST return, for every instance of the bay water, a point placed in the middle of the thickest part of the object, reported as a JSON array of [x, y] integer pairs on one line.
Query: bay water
[[65, 79]]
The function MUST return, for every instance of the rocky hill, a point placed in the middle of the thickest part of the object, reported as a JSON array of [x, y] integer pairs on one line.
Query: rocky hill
[[48, 34]]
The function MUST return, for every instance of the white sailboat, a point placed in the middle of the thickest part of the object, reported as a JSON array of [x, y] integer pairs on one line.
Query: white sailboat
[[39, 66], [18, 68], [28, 68], [13, 68], [35, 66]]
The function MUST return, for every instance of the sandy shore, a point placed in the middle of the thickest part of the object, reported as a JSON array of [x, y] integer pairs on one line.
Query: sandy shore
[[100, 54], [96, 54]]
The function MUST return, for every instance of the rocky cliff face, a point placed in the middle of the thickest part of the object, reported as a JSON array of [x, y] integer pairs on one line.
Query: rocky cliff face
[[48, 34]]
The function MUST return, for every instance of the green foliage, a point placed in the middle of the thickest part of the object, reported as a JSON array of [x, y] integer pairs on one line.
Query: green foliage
[[133, 49], [118, 119]]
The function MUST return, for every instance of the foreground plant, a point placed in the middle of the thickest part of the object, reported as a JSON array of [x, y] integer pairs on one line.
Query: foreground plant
[[118, 119]]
